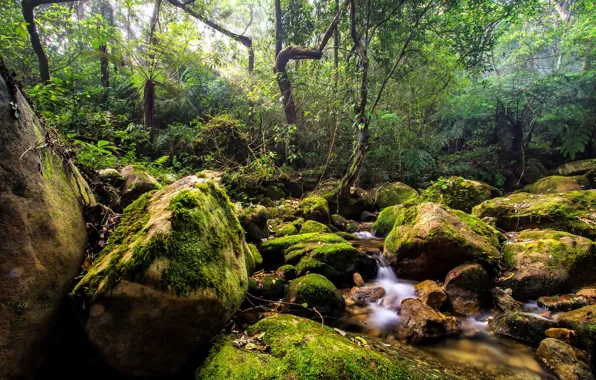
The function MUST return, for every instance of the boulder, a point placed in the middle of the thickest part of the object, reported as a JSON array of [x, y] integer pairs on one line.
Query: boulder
[[315, 208], [315, 291], [567, 362], [422, 322], [42, 230], [286, 229], [547, 262], [468, 289], [368, 294], [254, 221], [563, 302], [430, 239], [589, 293], [339, 222], [576, 167], [503, 300], [136, 183], [112, 176], [557, 184], [459, 193], [252, 258], [172, 274], [431, 294], [583, 322], [311, 226], [368, 217], [526, 327], [563, 334], [270, 286], [288, 272], [572, 212], [395, 193], [384, 223], [358, 280]]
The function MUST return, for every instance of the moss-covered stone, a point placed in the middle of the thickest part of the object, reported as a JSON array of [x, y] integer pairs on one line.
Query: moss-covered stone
[[288, 272], [458, 193], [583, 322], [286, 229], [384, 223], [302, 349], [315, 208], [311, 226], [339, 221], [572, 212], [253, 258], [177, 263], [526, 327], [546, 262], [136, 183], [345, 235], [557, 184], [270, 286], [273, 250], [564, 360], [576, 167], [315, 291], [254, 221], [394, 193], [430, 239]]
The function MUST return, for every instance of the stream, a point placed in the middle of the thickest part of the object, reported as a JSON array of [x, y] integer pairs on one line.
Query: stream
[[475, 346]]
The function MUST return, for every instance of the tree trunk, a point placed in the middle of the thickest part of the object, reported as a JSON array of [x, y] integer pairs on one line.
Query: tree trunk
[[278, 28], [149, 106]]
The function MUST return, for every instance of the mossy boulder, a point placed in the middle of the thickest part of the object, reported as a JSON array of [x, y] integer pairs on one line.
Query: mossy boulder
[[557, 184], [111, 176], [468, 289], [547, 262], [563, 302], [274, 191], [270, 286], [288, 272], [339, 222], [315, 291], [566, 361], [315, 208], [254, 221], [526, 327], [253, 258], [286, 229], [174, 271], [311, 226], [42, 230], [395, 193], [297, 348], [572, 212], [136, 183], [459, 193], [576, 167], [583, 322], [384, 223], [428, 240], [322, 253]]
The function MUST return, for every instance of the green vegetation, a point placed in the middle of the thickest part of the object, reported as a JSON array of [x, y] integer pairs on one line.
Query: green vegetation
[[457, 193], [315, 291]]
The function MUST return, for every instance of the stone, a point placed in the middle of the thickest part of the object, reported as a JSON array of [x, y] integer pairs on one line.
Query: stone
[[358, 281], [557, 184], [566, 335], [311, 226], [173, 272], [563, 302], [421, 322], [254, 221], [315, 208], [583, 322], [368, 216], [270, 286], [589, 293], [315, 291], [288, 272], [394, 193], [136, 183], [384, 223], [429, 240], [547, 262], [431, 293], [576, 167], [526, 327], [340, 222], [112, 176], [459, 193], [567, 362], [468, 290], [368, 294], [42, 230], [571, 212], [253, 259], [503, 300]]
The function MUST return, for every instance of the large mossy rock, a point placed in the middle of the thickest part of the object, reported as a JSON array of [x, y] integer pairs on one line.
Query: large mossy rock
[[42, 230], [384, 223], [583, 322], [395, 193], [254, 221], [297, 348], [323, 253], [557, 184], [546, 262], [572, 212], [315, 208], [136, 183], [576, 167], [311, 226], [567, 362], [315, 291], [172, 274], [459, 193], [428, 240]]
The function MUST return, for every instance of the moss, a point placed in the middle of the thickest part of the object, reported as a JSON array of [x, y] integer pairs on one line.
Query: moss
[[384, 223], [273, 250], [352, 226], [203, 230], [571, 212], [345, 235], [395, 194], [458, 193], [288, 272], [312, 226], [557, 184], [253, 258], [303, 349], [317, 291], [576, 167], [315, 208]]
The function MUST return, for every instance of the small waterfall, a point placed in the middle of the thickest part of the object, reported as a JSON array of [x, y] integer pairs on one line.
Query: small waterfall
[[364, 235]]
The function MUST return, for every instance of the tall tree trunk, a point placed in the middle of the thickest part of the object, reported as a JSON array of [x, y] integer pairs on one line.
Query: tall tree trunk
[[278, 28], [149, 91], [108, 15]]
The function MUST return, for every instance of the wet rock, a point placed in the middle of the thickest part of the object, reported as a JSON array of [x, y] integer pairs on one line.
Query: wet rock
[[576, 167], [311, 226], [503, 300], [583, 322], [564, 302], [136, 183], [547, 262], [353, 226], [315, 208], [366, 295], [340, 222], [254, 221], [315, 291], [459, 193], [431, 293], [368, 216], [394, 193], [358, 281], [384, 223], [467, 289], [571, 212], [162, 288], [589, 293], [567, 362], [429, 240], [422, 322], [288, 272], [528, 328], [557, 184], [566, 335]]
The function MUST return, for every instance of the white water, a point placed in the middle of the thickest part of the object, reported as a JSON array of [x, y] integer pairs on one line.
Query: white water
[[364, 235]]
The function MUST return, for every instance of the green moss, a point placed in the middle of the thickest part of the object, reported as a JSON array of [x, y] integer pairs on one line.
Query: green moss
[[576, 167], [313, 226], [302, 349], [274, 249], [345, 235], [557, 184], [384, 223], [315, 291], [253, 258], [395, 194], [288, 272], [458, 193], [315, 208]]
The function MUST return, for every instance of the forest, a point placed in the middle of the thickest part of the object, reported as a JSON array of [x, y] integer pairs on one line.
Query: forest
[[298, 189]]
